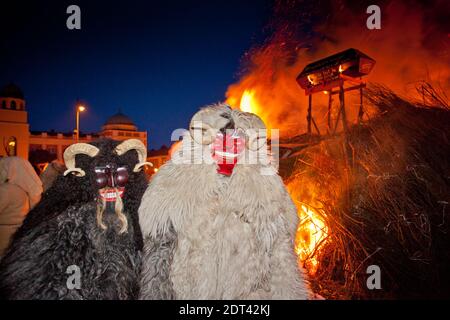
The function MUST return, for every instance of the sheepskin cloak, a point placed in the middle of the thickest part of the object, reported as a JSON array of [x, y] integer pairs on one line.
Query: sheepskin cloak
[[61, 235], [208, 236]]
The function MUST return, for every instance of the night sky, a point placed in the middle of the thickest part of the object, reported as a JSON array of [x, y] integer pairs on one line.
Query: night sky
[[158, 61]]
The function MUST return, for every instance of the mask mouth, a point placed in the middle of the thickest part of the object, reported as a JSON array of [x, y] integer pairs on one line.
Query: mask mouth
[[110, 194], [110, 201], [226, 149]]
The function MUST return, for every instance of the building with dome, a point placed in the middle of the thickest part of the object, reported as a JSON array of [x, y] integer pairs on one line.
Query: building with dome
[[17, 139], [117, 127], [14, 127], [121, 127], [12, 97]]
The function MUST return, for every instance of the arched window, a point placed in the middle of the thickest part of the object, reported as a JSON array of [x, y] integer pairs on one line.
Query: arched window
[[12, 147], [13, 105]]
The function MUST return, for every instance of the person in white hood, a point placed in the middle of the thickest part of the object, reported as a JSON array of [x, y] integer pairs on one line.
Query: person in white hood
[[20, 191]]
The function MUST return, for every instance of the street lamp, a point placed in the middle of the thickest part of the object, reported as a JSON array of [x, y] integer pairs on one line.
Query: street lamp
[[80, 108]]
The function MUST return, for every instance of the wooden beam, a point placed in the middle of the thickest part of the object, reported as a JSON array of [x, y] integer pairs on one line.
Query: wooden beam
[[361, 109], [309, 116], [330, 102], [362, 85], [342, 103], [315, 126], [337, 120]]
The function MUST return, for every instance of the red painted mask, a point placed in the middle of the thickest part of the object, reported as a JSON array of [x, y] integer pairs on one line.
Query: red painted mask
[[225, 151]]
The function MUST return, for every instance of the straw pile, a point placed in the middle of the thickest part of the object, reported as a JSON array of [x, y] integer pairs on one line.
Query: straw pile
[[383, 191]]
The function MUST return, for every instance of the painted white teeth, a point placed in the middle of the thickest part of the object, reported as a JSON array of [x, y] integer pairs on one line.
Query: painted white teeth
[[111, 195], [227, 154]]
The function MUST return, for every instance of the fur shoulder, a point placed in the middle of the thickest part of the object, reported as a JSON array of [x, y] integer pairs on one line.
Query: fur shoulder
[[173, 194], [262, 188]]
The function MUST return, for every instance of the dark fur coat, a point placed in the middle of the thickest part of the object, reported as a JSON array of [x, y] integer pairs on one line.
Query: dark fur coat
[[62, 231]]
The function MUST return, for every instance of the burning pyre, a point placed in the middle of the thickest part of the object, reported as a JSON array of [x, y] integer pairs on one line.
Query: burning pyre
[[377, 195]]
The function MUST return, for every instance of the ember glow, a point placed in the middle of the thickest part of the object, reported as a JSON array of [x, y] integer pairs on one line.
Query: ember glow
[[311, 236]]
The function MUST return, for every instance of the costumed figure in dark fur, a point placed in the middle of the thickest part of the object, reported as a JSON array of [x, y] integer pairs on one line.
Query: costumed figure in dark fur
[[82, 241]]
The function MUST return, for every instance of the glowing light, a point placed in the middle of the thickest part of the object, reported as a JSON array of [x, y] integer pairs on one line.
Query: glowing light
[[311, 236], [310, 80], [248, 102], [340, 68], [81, 108]]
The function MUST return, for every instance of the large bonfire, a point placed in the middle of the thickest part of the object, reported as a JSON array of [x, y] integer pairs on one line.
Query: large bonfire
[[379, 194]]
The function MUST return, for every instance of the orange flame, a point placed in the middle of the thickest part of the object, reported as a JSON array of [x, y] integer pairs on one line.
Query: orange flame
[[248, 102], [311, 236]]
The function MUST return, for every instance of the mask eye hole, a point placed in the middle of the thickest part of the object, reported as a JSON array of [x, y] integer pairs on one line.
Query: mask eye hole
[[101, 178], [111, 177], [121, 177]]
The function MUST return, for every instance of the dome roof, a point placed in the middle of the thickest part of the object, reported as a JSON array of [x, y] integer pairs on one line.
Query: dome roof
[[119, 118], [11, 91]]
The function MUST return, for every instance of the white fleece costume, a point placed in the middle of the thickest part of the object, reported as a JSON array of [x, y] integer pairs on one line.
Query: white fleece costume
[[211, 236]]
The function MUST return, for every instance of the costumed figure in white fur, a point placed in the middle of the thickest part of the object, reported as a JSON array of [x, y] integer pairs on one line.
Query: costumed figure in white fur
[[217, 220]]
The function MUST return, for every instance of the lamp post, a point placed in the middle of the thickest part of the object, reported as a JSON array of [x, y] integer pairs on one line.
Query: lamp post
[[80, 108]]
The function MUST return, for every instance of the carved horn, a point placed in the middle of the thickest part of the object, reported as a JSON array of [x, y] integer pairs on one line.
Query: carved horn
[[257, 132], [72, 151], [134, 144], [201, 132]]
